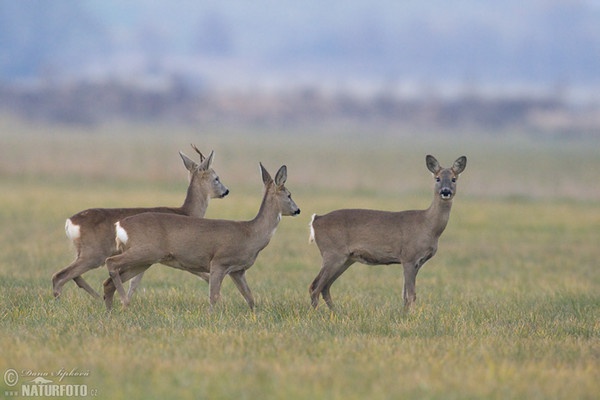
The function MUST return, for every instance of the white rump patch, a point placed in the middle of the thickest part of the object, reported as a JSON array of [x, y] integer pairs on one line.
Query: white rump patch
[[72, 230], [122, 236], [311, 238]]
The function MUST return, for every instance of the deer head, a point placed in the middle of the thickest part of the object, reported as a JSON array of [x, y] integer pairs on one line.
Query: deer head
[[202, 175], [283, 197], [445, 178]]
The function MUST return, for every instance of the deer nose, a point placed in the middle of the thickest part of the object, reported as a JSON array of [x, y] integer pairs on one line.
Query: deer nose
[[225, 193], [446, 193], [297, 212]]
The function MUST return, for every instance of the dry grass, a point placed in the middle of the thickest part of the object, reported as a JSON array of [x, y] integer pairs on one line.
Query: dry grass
[[507, 309]]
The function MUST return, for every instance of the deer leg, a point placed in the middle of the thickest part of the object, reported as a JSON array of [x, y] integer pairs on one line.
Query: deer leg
[[338, 273], [128, 264], [133, 285], [239, 278], [110, 287], [332, 268], [84, 285], [409, 293], [315, 290], [135, 274], [74, 271], [216, 279], [109, 292], [115, 264]]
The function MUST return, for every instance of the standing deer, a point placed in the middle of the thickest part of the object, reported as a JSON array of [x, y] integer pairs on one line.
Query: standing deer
[[93, 231], [216, 247], [374, 237]]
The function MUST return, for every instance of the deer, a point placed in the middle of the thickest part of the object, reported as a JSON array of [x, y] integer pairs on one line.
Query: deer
[[92, 231], [373, 237], [216, 247]]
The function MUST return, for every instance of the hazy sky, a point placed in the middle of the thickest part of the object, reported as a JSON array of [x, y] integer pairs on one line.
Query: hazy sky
[[487, 42]]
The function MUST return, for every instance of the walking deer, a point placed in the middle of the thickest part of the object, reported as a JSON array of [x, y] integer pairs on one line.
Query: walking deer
[[374, 237], [216, 247], [92, 231]]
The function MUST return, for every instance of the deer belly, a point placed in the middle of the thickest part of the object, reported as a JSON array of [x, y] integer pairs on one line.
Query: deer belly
[[177, 264], [374, 258]]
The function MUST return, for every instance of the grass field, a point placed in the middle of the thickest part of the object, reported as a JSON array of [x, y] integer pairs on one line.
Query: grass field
[[508, 308]]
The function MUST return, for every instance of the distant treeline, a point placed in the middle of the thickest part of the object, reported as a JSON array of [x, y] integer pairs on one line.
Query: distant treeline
[[93, 103]]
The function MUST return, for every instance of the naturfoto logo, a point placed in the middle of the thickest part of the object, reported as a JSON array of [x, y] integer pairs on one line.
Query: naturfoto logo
[[46, 384]]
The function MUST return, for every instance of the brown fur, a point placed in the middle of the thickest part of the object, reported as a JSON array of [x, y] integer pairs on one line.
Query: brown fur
[[97, 232], [374, 237], [209, 246]]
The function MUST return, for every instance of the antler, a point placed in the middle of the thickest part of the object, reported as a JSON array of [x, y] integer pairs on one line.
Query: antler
[[198, 151]]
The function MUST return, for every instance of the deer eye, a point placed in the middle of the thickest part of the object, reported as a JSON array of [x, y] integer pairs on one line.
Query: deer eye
[[437, 179], [453, 179]]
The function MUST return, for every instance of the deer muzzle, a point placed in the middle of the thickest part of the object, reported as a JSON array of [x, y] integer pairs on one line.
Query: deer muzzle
[[446, 193]]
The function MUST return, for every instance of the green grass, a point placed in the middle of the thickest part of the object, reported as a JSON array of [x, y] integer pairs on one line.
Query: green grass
[[508, 308]]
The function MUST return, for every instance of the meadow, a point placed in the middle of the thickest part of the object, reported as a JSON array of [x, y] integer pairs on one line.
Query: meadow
[[508, 308]]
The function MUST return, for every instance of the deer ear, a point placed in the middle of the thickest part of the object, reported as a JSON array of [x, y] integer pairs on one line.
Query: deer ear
[[432, 164], [281, 176], [188, 162], [265, 175], [207, 161], [459, 165]]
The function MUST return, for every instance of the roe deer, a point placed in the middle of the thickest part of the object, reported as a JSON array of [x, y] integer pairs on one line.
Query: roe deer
[[216, 247], [93, 231], [374, 237]]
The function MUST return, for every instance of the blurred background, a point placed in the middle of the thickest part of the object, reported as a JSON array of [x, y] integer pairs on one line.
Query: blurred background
[[98, 96], [479, 65]]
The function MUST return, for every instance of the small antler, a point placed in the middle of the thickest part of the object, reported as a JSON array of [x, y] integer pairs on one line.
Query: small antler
[[198, 151]]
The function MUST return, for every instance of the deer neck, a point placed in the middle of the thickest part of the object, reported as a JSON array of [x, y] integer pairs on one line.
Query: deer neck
[[266, 221], [196, 201], [438, 214]]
